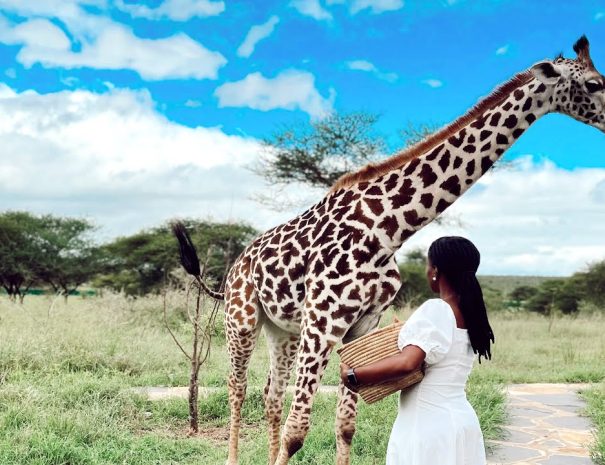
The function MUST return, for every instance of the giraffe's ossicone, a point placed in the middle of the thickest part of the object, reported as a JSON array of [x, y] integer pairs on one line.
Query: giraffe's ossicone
[[328, 274]]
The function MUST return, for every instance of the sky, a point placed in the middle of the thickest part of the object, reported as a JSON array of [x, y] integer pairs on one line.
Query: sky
[[133, 113]]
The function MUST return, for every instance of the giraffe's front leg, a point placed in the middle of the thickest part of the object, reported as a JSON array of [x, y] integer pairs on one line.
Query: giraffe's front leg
[[313, 354], [346, 412]]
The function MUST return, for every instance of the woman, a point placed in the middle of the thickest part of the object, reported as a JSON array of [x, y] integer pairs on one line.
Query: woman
[[436, 425]]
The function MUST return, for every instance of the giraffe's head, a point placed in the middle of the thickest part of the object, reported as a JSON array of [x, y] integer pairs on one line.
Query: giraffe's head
[[576, 87]]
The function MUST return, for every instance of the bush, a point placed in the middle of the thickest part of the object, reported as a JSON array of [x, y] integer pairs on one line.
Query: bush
[[414, 286], [521, 294], [561, 295]]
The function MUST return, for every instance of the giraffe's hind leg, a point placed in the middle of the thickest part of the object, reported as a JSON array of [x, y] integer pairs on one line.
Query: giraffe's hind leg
[[282, 353], [242, 327]]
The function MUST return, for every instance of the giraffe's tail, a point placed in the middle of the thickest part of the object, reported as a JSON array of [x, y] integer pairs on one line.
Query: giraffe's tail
[[190, 260], [214, 294]]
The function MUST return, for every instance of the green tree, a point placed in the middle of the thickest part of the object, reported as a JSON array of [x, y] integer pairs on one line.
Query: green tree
[[69, 255], [561, 295], [414, 286], [20, 251], [58, 251], [142, 263], [570, 295], [521, 294], [593, 283], [320, 152]]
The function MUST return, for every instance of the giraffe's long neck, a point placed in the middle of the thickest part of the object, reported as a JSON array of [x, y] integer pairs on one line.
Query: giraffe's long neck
[[414, 194]]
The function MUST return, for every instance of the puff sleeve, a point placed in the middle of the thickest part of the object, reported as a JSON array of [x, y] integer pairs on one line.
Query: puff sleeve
[[431, 327]]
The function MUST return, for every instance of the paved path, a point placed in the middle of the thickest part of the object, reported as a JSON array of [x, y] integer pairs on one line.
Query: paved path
[[544, 427]]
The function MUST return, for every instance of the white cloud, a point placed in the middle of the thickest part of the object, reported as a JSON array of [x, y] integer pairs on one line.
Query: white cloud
[[38, 33], [193, 103], [600, 15], [366, 66], [314, 8], [255, 35], [290, 90], [102, 43], [535, 219], [503, 50], [311, 8], [115, 47], [375, 6], [177, 10], [82, 25], [113, 158], [434, 83]]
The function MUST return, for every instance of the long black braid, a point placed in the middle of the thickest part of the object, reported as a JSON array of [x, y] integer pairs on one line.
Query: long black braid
[[458, 259]]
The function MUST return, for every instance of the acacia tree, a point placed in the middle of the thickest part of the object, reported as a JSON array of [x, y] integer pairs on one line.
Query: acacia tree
[[69, 255], [592, 283], [45, 249], [142, 263], [20, 252], [318, 153]]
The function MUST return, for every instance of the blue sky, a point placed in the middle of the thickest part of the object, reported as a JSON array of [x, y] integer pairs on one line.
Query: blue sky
[[461, 47], [130, 113]]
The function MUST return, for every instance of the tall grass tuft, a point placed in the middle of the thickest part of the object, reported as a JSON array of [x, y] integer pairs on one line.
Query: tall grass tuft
[[595, 399]]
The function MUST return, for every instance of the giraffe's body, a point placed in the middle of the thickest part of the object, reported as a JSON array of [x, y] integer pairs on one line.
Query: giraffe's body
[[328, 274]]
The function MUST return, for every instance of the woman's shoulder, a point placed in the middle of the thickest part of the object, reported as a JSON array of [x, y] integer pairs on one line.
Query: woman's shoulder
[[435, 309]]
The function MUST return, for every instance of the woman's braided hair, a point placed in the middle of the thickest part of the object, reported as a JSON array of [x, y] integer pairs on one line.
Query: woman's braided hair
[[457, 259]]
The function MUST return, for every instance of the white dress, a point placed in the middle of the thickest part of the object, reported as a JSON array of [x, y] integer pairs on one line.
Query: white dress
[[436, 425]]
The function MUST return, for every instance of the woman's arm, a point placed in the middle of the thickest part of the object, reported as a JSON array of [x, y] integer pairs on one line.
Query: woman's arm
[[393, 367]]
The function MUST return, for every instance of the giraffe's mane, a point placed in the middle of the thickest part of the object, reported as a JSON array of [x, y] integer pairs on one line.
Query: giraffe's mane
[[375, 170]]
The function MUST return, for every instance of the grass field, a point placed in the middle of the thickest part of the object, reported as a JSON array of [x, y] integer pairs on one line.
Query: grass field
[[595, 399], [65, 371]]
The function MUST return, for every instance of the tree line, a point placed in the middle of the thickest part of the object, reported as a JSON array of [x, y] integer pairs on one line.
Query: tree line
[[553, 295], [61, 253]]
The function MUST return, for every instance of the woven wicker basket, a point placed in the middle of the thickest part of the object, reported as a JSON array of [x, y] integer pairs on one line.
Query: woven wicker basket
[[374, 346]]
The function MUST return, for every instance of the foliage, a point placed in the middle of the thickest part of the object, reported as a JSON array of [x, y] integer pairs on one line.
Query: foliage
[[414, 286], [565, 295], [19, 252], [593, 281], [142, 263], [494, 299], [319, 153], [69, 257], [521, 294], [545, 299], [413, 134], [55, 250]]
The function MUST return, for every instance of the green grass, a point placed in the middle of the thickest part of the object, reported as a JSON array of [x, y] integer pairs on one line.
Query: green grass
[[595, 399], [65, 371]]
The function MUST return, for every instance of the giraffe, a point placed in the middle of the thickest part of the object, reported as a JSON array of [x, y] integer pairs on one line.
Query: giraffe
[[326, 276]]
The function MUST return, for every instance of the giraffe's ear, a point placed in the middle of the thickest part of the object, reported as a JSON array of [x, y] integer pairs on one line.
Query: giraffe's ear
[[547, 72]]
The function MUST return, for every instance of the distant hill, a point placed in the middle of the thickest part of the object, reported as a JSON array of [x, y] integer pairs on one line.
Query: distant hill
[[505, 284]]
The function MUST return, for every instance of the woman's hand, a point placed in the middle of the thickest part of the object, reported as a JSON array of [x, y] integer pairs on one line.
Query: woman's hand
[[344, 368]]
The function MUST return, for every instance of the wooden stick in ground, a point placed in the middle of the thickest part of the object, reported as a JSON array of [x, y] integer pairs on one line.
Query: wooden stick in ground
[[195, 368]]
